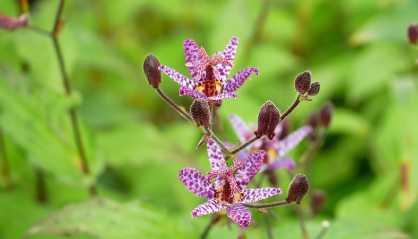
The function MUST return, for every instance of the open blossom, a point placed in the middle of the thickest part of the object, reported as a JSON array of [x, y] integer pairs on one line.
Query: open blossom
[[277, 148], [225, 187], [209, 73]]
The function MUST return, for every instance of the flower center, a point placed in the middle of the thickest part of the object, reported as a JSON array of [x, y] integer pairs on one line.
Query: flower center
[[226, 194], [210, 86]]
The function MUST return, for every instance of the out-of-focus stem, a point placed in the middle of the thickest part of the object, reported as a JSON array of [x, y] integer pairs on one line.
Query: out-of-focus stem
[[291, 108], [41, 189], [24, 6], [324, 228], [302, 225], [213, 221], [4, 163], [268, 226]]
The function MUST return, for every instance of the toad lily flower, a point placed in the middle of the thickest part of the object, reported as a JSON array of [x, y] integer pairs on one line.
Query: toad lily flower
[[209, 73], [225, 187], [276, 149]]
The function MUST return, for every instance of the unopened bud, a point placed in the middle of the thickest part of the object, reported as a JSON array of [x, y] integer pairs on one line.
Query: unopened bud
[[12, 23], [303, 82], [268, 118], [314, 89], [325, 115], [313, 120], [285, 129], [200, 113], [298, 188], [151, 70], [413, 33], [318, 199]]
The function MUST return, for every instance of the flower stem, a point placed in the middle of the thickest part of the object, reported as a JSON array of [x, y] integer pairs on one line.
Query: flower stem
[[4, 166], [41, 189], [268, 205], [268, 227], [302, 225], [324, 228], [291, 108], [213, 221], [174, 105], [210, 133], [244, 145]]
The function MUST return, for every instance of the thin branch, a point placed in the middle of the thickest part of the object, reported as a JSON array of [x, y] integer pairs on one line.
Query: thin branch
[[302, 225], [5, 167], [174, 105], [210, 133], [268, 205], [291, 108], [269, 228], [213, 221], [324, 229], [244, 145]]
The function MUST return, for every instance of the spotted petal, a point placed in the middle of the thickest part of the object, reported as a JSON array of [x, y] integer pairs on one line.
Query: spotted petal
[[223, 95], [292, 140], [196, 182], [190, 92], [238, 79], [228, 55], [209, 207], [251, 167], [216, 157], [195, 58], [239, 214], [257, 194], [240, 127], [177, 77]]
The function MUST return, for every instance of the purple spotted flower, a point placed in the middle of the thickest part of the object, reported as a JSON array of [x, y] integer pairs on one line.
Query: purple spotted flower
[[277, 148], [209, 73], [225, 187]]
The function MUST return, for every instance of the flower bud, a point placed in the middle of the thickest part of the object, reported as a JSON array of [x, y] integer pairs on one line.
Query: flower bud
[[298, 188], [303, 82], [268, 118], [285, 129], [313, 120], [325, 115], [12, 23], [200, 113], [413, 33], [314, 89], [151, 70], [318, 199]]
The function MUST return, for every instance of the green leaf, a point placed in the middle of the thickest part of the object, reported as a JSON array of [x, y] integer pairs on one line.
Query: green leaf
[[106, 219]]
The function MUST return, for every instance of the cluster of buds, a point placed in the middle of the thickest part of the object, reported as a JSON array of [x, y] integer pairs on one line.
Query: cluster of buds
[[262, 149]]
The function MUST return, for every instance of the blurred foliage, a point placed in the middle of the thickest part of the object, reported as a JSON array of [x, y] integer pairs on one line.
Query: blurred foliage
[[357, 49]]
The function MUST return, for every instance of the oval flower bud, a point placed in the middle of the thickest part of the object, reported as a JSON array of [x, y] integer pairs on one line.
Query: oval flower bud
[[12, 23], [200, 112], [314, 89], [413, 33], [268, 118], [151, 70], [325, 115], [303, 82], [299, 186]]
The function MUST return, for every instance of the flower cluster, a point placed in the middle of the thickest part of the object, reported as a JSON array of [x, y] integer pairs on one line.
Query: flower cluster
[[262, 148]]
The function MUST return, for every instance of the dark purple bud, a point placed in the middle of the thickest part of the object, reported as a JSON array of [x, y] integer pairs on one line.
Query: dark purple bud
[[318, 199], [268, 118], [413, 33], [151, 70], [325, 115], [303, 82], [314, 89], [298, 188], [314, 120], [200, 113], [12, 23], [285, 129]]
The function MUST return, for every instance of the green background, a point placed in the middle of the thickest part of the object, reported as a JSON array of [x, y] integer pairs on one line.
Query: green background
[[136, 144]]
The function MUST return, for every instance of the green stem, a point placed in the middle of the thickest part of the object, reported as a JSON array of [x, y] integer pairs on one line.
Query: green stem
[[268, 205], [291, 108], [4, 166]]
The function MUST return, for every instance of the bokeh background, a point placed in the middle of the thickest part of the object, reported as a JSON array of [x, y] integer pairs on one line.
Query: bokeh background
[[357, 49]]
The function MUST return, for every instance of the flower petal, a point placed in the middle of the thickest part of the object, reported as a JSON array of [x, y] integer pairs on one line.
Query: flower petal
[[224, 95], [257, 194], [216, 157], [209, 207], [228, 55], [238, 79], [239, 214], [190, 92], [292, 140], [240, 127], [177, 77], [251, 167], [195, 182], [195, 58], [282, 162]]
